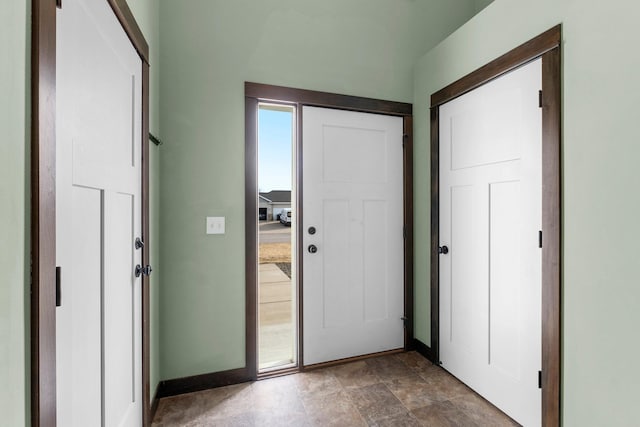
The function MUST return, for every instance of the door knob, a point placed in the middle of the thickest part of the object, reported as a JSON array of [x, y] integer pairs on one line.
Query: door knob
[[313, 249], [312, 230], [140, 270], [139, 244], [443, 250]]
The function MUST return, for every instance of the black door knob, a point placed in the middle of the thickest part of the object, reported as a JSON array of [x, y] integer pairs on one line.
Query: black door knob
[[313, 249], [139, 244], [443, 250], [140, 270]]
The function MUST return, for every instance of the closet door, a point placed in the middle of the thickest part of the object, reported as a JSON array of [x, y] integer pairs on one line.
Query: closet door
[[490, 219], [98, 209]]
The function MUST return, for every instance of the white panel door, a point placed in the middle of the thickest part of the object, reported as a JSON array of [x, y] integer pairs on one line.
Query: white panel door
[[98, 174], [353, 289], [490, 216]]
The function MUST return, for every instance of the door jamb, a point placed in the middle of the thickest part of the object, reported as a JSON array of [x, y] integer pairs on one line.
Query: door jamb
[[257, 92], [43, 202], [548, 47]]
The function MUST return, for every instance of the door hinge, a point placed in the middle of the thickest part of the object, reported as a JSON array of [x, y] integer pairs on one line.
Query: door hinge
[[539, 379], [540, 98], [404, 231], [540, 239], [58, 286]]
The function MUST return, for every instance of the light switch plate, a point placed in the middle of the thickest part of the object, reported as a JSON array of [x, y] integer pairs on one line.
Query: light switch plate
[[215, 225]]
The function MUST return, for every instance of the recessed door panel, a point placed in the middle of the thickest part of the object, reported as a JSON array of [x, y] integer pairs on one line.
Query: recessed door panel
[[505, 281], [462, 254], [377, 283], [80, 311], [341, 145], [121, 296], [473, 123], [336, 270]]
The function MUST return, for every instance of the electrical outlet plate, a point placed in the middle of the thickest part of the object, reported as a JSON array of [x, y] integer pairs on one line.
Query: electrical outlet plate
[[215, 225]]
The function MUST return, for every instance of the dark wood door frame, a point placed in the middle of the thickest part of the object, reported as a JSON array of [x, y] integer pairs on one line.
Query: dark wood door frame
[[43, 206], [256, 93], [548, 47]]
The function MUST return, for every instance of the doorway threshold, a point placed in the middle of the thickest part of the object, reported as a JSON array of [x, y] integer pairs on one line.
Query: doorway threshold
[[279, 371]]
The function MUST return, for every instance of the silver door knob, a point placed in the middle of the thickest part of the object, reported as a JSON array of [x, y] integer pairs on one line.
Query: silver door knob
[[313, 249]]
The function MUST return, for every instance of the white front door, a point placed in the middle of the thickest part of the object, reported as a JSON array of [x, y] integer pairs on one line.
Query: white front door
[[353, 289], [490, 218], [98, 209]]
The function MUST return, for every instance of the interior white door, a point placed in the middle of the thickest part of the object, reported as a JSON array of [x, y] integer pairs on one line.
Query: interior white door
[[98, 209], [353, 287], [490, 217]]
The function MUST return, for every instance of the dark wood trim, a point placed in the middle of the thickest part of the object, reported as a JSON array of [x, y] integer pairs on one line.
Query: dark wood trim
[[351, 359], [128, 22], [154, 405], [43, 213], [300, 228], [255, 93], [146, 253], [251, 234], [524, 53], [251, 241], [193, 383], [423, 349], [547, 47], [43, 199], [551, 249], [323, 99], [407, 178], [435, 234]]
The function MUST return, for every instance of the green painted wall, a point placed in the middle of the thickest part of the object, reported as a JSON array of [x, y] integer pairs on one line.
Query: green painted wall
[[209, 49], [601, 202], [147, 13], [481, 4], [14, 211]]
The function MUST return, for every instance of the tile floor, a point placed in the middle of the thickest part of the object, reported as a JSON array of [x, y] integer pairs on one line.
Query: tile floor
[[396, 390]]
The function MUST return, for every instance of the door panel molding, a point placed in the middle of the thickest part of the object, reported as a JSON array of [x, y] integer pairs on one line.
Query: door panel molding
[[547, 47], [258, 92], [43, 184]]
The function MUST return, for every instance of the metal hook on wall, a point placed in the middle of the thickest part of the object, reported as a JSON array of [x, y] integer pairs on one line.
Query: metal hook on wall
[[154, 139]]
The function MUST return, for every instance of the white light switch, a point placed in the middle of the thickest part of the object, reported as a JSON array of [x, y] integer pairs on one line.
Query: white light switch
[[215, 225]]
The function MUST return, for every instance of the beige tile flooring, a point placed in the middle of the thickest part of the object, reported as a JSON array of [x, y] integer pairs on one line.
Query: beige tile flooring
[[276, 323], [395, 390]]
